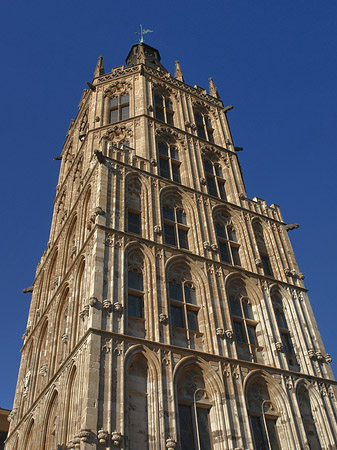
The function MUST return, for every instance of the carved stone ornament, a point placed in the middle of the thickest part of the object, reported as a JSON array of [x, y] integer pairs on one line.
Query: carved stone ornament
[[214, 247], [279, 346], [84, 312], [163, 318], [287, 271], [319, 356], [70, 445], [328, 358], [242, 196], [117, 132], [103, 437], [77, 441], [301, 276], [65, 338], [12, 414], [116, 438], [117, 88], [229, 334], [220, 332], [118, 307], [207, 245], [107, 305], [99, 211], [84, 435], [203, 181], [171, 444], [93, 301], [311, 353], [153, 162], [258, 262], [293, 273], [157, 229], [26, 383]]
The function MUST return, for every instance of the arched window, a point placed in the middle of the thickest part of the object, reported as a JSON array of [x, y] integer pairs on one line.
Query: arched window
[[169, 164], [50, 438], [133, 219], [261, 245], [244, 323], [137, 397], [184, 308], [288, 346], [175, 223], [194, 406], [119, 108], [263, 416], [227, 239], [214, 179], [163, 108], [72, 407], [204, 125], [308, 419], [71, 248], [135, 285]]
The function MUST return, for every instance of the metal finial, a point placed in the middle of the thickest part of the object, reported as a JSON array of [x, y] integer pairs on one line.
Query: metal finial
[[142, 32]]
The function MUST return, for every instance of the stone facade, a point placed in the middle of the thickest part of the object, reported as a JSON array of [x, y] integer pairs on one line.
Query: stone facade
[[168, 310]]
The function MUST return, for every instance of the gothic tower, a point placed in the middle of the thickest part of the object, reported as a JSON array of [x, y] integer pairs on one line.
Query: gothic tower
[[168, 310]]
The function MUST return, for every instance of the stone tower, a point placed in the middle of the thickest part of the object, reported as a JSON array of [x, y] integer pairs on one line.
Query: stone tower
[[168, 311]]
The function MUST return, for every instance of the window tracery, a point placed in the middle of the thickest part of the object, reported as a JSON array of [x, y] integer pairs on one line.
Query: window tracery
[[204, 125], [227, 239], [263, 416], [133, 219], [244, 322], [169, 164], [175, 222], [135, 285], [194, 407], [305, 406], [163, 108], [288, 346], [262, 248], [214, 178]]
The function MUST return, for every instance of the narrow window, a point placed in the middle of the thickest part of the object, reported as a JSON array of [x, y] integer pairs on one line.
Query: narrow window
[[204, 126], [244, 323], [227, 240], [118, 108], [169, 164], [133, 219], [262, 248], [135, 286], [163, 108], [175, 224]]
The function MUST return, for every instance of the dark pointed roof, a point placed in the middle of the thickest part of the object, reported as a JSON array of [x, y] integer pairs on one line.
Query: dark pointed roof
[[144, 54]]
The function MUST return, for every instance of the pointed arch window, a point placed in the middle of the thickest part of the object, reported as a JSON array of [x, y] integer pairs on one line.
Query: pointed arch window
[[261, 245], [119, 108], [244, 323], [308, 419], [263, 416], [184, 308], [135, 285], [169, 164], [288, 346], [204, 125], [227, 239], [133, 219], [175, 223], [194, 407], [163, 108], [214, 178]]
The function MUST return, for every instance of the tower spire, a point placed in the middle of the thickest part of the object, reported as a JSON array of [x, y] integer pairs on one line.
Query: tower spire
[[212, 89], [178, 74], [99, 71]]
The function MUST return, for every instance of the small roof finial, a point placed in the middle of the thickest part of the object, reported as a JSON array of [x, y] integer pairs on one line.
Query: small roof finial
[[178, 72], [212, 89], [99, 71], [142, 32]]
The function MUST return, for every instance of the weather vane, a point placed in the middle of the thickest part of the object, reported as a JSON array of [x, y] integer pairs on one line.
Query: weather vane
[[142, 32]]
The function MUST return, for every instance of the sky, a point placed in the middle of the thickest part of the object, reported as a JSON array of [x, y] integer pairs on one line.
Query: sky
[[275, 61]]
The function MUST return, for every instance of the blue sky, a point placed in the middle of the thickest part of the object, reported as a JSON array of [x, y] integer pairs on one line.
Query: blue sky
[[275, 61]]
